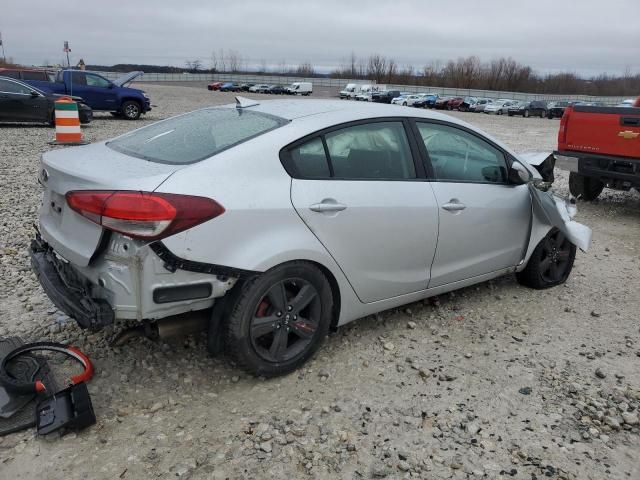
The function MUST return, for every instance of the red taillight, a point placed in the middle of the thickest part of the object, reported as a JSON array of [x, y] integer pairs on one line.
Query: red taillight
[[564, 124], [143, 215]]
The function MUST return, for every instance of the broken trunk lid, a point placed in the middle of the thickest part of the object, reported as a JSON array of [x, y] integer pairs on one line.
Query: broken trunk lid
[[91, 167]]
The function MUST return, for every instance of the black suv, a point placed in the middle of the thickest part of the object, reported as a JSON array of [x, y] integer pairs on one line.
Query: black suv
[[385, 97], [537, 108], [556, 109]]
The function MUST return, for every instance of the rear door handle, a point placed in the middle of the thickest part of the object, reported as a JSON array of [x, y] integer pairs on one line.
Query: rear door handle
[[454, 206], [327, 206]]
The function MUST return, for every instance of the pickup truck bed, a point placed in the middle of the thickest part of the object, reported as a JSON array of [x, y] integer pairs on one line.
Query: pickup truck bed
[[600, 146]]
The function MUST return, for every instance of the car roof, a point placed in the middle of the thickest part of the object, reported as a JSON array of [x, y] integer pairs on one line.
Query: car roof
[[332, 112]]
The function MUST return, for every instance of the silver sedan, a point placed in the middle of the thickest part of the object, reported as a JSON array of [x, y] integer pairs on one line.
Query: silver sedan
[[288, 218]]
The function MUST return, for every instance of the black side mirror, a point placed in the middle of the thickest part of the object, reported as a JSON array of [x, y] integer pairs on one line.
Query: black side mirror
[[34, 94]]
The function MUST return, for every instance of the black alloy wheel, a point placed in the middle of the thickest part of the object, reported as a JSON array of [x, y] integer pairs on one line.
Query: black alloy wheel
[[285, 320], [279, 319], [551, 262], [556, 256]]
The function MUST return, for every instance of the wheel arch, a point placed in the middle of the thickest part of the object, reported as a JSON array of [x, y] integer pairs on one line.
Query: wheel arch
[[129, 98], [340, 287]]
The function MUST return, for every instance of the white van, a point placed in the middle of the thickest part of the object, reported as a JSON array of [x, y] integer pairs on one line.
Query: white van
[[300, 88], [350, 91]]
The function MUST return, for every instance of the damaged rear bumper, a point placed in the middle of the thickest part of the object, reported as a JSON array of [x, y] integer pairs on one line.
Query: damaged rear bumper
[[67, 290], [128, 280]]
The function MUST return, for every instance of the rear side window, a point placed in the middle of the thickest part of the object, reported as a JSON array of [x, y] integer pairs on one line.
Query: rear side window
[[309, 160], [195, 136], [78, 78], [35, 76], [10, 74]]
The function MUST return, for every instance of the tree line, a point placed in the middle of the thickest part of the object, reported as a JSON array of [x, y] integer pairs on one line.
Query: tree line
[[500, 74]]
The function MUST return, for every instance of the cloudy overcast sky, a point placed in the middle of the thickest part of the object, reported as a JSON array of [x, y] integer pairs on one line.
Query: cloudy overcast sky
[[584, 36]]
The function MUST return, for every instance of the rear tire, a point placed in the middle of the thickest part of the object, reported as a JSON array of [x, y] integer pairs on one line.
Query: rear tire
[[551, 262], [543, 114], [526, 114], [280, 319], [584, 188]]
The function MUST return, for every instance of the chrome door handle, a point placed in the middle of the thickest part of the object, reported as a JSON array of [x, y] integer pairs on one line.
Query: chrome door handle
[[327, 207], [454, 206]]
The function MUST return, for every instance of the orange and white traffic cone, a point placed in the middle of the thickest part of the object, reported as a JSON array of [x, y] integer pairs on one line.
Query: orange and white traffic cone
[[67, 123]]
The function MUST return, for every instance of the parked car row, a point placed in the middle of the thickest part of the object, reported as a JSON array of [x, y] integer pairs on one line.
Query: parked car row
[[500, 106], [296, 88], [24, 103], [98, 92]]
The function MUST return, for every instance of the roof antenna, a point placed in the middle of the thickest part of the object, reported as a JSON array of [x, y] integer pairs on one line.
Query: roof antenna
[[243, 102]]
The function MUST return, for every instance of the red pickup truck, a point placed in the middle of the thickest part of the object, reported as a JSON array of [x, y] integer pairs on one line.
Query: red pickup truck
[[600, 146]]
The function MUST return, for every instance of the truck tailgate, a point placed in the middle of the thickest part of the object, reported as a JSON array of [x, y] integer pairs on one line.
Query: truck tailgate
[[613, 131]]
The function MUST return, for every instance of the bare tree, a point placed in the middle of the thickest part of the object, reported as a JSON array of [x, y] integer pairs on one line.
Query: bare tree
[[305, 70], [234, 59], [214, 61], [377, 67], [194, 66], [352, 65]]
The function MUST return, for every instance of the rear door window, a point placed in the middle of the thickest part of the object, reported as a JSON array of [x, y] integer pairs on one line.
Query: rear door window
[[35, 76], [195, 136], [375, 150], [10, 74]]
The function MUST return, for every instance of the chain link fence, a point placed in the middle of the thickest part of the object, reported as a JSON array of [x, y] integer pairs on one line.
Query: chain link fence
[[341, 82]]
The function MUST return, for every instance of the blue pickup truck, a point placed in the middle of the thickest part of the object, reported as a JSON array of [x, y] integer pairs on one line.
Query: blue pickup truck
[[98, 92]]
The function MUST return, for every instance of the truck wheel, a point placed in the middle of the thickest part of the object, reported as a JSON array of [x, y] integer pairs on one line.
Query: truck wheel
[[584, 188], [131, 110], [279, 319], [543, 114], [526, 114], [550, 263]]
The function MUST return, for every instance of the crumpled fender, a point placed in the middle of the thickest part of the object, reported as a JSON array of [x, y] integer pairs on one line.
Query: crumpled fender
[[543, 163], [554, 211]]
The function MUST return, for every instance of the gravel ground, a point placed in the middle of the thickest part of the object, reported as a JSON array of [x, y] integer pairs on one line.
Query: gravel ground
[[493, 381]]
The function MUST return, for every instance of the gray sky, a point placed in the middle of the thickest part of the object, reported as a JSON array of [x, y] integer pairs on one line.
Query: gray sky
[[584, 36]]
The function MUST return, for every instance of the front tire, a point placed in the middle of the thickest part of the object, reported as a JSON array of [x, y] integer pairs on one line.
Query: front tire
[[131, 110], [550, 263], [526, 114], [280, 319], [584, 188]]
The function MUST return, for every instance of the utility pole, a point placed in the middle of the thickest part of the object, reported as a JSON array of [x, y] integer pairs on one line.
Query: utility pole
[[67, 50], [4, 58]]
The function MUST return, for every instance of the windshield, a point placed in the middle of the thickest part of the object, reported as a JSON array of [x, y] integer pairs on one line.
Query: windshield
[[195, 136]]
